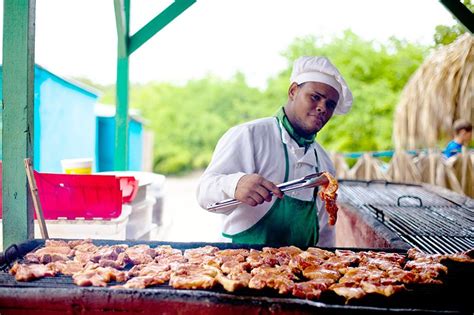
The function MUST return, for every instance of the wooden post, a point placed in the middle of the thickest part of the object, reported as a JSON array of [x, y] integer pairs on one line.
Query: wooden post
[[18, 109], [35, 198]]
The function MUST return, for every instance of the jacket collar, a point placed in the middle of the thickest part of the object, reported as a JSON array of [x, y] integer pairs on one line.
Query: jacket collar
[[298, 152]]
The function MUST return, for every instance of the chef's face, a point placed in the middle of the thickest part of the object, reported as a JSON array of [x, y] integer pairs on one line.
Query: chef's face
[[310, 106]]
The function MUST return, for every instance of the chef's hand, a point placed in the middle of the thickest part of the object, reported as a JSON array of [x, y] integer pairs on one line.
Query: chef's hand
[[253, 189]]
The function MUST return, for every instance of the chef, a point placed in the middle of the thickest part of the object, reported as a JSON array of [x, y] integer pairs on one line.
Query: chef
[[252, 158]]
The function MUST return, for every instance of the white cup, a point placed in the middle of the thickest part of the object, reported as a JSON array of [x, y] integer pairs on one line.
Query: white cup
[[77, 166]]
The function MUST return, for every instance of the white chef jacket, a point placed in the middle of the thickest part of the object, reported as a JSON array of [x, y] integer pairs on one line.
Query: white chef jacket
[[256, 147]]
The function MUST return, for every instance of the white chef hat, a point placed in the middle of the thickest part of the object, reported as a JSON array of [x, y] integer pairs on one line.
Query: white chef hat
[[320, 69]]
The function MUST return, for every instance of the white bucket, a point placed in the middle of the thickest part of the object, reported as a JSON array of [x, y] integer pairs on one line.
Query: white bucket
[[77, 166]]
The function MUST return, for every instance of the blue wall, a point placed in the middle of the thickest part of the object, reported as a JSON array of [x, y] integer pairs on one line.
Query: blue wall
[[65, 123], [66, 127], [105, 144]]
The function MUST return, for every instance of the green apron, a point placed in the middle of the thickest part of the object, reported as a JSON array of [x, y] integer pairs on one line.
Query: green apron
[[289, 221]]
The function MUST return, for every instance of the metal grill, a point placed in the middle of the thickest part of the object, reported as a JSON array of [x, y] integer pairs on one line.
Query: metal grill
[[65, 297], [420, 217]]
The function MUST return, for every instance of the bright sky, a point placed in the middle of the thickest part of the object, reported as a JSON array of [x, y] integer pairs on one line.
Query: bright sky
[[77, 38]]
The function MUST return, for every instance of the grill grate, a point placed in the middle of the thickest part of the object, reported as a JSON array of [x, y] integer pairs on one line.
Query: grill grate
[[420, 217], [361, 193]]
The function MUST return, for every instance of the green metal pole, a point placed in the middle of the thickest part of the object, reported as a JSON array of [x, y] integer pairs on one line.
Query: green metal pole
[[121, 115], [126, 45], [122, 17], [18, 105]]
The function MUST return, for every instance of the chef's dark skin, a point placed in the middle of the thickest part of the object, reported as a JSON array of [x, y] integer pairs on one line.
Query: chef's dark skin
[[310, 106]]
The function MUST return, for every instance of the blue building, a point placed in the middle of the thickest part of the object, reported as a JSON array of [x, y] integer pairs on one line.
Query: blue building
[[105, 139], [66, 126]]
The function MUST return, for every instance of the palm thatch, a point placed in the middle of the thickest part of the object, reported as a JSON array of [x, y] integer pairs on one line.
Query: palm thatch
[[462, 167], [340, 164], [367, 168], [434, 170], [403, 169], [438, 93]]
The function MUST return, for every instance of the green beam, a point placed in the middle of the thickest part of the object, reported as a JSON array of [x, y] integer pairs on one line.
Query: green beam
[[121, 116], [158, 23], [18, 80], [461, 12], [122, 18], [126, 45]]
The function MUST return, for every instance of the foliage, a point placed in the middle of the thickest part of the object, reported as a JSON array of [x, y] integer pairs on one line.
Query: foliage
[[188, 120], [445, 34]]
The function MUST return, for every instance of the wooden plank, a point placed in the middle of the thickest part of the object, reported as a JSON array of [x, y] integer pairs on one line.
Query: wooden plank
[[18, 107], [35, 197]]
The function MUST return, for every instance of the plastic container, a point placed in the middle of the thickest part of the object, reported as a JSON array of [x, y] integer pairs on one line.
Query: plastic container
[[114, 229], [77, 166], [140, 220], [69, 196], [157, 189]]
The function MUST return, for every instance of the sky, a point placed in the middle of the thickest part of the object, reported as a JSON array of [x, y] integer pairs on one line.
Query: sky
[[77, 38]]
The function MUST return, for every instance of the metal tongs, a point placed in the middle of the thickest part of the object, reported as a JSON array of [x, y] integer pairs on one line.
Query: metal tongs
[[309, 181]]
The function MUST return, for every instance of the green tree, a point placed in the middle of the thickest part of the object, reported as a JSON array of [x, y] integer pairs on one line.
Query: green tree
[[188, 120], [376, 74]]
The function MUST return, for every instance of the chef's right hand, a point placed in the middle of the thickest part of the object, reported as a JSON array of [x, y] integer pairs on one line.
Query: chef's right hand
[[253, 189]]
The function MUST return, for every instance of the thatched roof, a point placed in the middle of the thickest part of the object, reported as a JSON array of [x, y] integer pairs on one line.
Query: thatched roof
[[438, 93]]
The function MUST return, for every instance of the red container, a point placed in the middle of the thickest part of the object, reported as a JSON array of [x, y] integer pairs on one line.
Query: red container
[[84, 196]]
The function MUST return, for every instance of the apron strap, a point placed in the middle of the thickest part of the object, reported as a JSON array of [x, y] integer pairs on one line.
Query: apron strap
[[287, 164]]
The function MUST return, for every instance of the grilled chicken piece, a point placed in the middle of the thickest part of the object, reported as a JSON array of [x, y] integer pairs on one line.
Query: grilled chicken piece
[[258, 258], [358, 274], [28, 272], [348, 290], [192, 276], [140, 254], [234, 281], [279, 278], [312, 289], [68, 267], [464, 257], [320, 272], [150, 269], [381, 288], [235, 266], [146, 275], [142, 282], [304, 260], [232, 253], [93, 275], [53, 251], [200, 251]]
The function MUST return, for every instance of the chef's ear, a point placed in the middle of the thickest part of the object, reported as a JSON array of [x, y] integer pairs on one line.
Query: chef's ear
[[292, 91]]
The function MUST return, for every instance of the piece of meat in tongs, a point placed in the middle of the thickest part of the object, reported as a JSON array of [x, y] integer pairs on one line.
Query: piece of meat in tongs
[[328, 195], [323, 179]]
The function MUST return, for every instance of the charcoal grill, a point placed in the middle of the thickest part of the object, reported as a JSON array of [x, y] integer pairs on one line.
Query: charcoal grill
[[423, 218], [58, 295]]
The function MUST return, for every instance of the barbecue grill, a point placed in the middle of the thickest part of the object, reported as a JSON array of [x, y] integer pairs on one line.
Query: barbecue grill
[[419, 215], [58, 295]]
